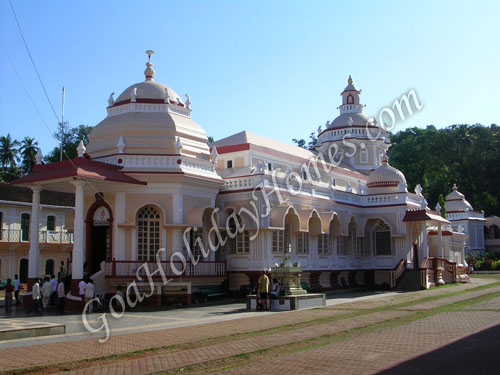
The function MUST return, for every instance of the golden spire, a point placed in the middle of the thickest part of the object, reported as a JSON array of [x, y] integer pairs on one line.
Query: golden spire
[[350, 81]]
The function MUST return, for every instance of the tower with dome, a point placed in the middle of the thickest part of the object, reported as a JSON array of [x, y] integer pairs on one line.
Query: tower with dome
[[149, 189]]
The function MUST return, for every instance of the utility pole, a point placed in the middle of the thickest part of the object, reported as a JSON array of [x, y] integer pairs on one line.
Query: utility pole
[[62, 126]]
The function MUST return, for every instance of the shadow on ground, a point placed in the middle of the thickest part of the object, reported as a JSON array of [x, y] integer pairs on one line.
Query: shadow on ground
[[475, 354]]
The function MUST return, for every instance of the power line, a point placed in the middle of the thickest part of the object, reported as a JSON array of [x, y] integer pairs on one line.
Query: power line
[[33, 62]]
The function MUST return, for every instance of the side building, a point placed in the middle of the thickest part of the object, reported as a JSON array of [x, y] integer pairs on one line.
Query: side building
[[55, 231]]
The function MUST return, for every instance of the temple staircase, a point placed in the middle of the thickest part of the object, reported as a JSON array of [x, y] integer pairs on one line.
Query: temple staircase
[[410, 281]]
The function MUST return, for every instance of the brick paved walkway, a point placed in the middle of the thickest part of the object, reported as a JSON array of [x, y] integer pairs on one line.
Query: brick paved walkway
[[22, 357], [373, 352]]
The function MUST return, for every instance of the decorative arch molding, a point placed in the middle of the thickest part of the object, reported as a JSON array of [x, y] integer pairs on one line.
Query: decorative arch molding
[[154, 204]]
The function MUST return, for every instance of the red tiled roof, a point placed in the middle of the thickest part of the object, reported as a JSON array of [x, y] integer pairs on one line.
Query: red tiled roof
[[78, 167], [420, 215]]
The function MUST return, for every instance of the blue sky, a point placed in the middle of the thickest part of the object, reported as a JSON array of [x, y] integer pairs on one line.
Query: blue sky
[[272, 67]]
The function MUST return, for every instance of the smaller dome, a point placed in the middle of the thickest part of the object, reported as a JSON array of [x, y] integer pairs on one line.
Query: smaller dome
[[349, 119], [456, 202], [385, 176]]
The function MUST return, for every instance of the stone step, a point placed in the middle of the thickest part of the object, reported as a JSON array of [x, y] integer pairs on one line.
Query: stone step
[[11, 329]]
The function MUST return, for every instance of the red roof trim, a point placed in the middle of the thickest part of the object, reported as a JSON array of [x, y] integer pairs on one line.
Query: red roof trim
[[383, 184], [232, 148]]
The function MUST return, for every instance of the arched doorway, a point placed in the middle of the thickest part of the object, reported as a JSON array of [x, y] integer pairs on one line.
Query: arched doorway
[[49, 266], [99, 235], [23, 270]]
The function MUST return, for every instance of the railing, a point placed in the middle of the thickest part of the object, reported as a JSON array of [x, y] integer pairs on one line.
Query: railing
[[171, 269], [397, 272], [53, 237], [432, 264]]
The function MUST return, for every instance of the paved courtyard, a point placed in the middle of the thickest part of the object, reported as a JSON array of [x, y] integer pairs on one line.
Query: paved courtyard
[[356, 333]]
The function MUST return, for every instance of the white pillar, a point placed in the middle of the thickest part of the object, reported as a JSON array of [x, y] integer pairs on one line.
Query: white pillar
[[440, 234], [177, 208], [77, 265], [34, 252], [425, 243], [119, 233]]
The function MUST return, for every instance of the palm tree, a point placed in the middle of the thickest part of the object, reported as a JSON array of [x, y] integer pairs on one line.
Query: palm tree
[[8, 151], [28, 151]]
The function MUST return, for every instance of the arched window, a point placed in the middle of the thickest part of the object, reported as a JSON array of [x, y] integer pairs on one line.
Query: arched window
[[486, 232], [350, 99], [148, 232], [382, 239], [49, 266], [51, 223]]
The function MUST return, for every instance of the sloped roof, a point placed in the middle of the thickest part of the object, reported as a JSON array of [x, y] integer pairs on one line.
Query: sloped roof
[[78, 167]]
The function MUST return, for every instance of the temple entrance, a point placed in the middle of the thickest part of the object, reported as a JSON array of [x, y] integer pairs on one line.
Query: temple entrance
[[23, 270], [415, 256], [99, 239]]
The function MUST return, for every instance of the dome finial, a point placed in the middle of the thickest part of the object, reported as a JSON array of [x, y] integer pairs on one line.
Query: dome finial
[[454, 188], [149, 72], [350, 81]]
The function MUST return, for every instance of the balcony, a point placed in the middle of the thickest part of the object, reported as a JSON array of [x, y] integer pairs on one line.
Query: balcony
[[172, 269], [46, 237]]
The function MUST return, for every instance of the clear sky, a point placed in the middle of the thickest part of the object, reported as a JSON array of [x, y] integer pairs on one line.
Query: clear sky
[[275, 68]]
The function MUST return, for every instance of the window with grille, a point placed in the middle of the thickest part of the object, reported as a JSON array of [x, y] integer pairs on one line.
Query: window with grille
[[278, 241], [148, 233], [303, 243], [243, 243], [323, 248], [382, 239], [196, 241], [340, 245]]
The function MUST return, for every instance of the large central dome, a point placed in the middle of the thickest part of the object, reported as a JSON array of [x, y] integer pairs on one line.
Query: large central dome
[[149, 89], [148, 118]]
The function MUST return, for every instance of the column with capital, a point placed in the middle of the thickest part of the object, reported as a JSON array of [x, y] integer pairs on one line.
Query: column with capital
[[78, 251], [34, 251]]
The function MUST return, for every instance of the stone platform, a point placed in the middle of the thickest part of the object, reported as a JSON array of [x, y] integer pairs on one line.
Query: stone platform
[[287, 303], [11, 329]]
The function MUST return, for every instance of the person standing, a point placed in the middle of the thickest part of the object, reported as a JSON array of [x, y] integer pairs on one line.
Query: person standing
[[61, 294], [8, 296], [89, 294], [263, 289], [46, 292], [81, 289], [35, 307], [17, 289], [53, 286]]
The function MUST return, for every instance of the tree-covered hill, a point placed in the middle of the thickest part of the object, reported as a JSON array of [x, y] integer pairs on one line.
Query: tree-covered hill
[[468, 155]]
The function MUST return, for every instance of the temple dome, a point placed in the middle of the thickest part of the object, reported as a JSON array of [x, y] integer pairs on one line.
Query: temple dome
[[455, 201], [349, 119], [149, 89], [385, 178]]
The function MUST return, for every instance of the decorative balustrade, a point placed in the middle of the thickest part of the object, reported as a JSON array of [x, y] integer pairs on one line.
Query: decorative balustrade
[[397, 272], [171, 269], [48, 237]]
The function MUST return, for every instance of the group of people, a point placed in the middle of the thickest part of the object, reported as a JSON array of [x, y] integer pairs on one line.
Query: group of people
[[264, 294], [48, 291], [86, 291]]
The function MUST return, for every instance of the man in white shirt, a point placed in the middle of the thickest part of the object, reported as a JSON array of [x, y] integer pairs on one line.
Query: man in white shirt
[[53, 286], [61, 294], [46, 292], [17, 289], [81, 289], [35, 307], [89, 294]]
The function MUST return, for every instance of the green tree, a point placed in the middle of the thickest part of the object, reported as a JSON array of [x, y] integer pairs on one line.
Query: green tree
[[28, 151], [9, 153], [311, 145], [70, 137]]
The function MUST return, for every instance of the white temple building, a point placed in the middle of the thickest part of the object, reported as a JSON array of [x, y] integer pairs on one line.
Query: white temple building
[[148, 180]]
